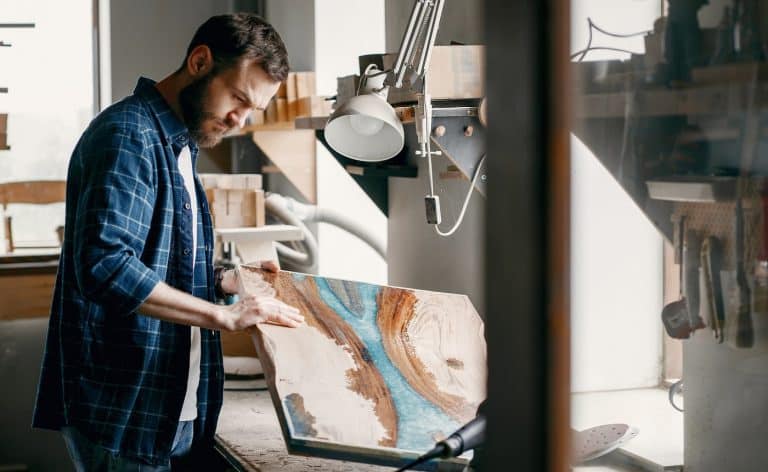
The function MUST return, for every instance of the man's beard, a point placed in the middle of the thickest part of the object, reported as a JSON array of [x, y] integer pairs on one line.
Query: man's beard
[[192, 100]]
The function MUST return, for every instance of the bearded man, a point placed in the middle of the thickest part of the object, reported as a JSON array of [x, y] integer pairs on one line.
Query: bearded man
[[132, 374]]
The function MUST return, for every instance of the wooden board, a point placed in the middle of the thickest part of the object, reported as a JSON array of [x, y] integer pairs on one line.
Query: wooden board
[[26, 295], [34, 192], [377, 374]]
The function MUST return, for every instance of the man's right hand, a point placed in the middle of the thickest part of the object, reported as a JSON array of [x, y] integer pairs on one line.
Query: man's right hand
[[252, 310]]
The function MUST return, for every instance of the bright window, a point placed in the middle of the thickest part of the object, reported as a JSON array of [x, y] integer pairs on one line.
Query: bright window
[[48, 71]]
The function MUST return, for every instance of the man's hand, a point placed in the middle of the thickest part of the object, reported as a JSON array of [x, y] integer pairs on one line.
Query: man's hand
[[229, 282], [256, 309], [252, 310]]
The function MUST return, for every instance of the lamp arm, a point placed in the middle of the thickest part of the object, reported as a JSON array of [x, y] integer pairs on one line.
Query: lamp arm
[[406, 45], [429, 42]]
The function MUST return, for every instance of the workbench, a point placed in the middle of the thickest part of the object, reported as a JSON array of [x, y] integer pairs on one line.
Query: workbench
[[249, 437]]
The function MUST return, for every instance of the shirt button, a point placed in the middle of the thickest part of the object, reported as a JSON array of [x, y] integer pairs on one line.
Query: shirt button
[[182, 139], [187, 206], [186, 251]]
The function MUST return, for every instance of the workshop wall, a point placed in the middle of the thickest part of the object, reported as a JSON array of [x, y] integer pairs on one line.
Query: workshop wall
[[166, 28]]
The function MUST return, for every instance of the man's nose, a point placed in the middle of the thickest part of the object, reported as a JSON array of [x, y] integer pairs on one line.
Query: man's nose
[[237, 118]]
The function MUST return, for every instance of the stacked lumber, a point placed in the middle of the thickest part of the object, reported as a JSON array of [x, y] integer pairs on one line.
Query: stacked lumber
[[236, 200], [296, 97]]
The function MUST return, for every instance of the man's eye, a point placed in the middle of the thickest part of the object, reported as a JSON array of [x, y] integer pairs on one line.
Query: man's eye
[[239, 99]]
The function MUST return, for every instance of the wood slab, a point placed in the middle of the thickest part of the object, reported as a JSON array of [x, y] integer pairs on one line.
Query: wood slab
[[377, 374]]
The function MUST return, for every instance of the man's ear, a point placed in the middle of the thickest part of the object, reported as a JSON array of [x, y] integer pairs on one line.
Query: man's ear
[[199, 61]]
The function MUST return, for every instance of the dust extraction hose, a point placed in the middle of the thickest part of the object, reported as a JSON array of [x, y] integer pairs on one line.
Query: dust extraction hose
[[292, 212]]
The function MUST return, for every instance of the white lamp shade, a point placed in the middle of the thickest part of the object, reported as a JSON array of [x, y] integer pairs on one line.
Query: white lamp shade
[[365, 128]]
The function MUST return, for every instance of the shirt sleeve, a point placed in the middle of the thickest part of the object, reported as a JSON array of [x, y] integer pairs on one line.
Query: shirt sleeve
[[113, 217]]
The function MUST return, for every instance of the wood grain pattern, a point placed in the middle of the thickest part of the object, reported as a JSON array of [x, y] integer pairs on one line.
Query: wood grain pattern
[[376, 373]]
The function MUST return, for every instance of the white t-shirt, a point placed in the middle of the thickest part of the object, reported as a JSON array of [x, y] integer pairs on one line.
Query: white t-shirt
[[189, 409]]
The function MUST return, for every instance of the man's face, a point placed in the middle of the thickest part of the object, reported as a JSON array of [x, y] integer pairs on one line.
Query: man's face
[[216, 103]]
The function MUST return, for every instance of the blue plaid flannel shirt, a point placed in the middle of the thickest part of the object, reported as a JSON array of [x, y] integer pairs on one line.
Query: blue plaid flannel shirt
[[116, 375]]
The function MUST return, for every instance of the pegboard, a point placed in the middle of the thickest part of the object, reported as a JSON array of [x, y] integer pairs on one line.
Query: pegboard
[[719, 220]]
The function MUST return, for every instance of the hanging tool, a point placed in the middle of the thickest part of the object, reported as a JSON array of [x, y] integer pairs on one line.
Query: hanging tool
[[738, 330], [712, 299], [674, 315], [690, 274]]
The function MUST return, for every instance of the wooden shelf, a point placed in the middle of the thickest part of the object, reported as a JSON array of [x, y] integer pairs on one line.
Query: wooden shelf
[[706, 189], [277, 126], [703, 100], [261, 233]]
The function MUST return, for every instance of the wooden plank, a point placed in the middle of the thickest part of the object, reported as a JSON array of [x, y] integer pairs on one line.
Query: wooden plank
[[305, 84], [259, 202], [282, 109], [291, 92], [270, 115], [408, 367], [33, 191], [26, 296], [276, 126], [294, 153], [258, 117], [236, 208], [313, 106]]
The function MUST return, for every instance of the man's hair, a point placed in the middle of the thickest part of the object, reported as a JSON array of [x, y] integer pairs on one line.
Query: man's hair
[[235, 37]]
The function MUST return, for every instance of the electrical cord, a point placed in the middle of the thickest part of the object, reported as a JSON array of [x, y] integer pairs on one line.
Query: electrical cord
[[615, 35], [433, 454], [466, 438], [592, 26], [366, 76], [466, 200]]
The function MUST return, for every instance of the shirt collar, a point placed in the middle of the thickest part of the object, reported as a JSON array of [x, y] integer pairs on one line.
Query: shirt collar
[[173, 130]]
